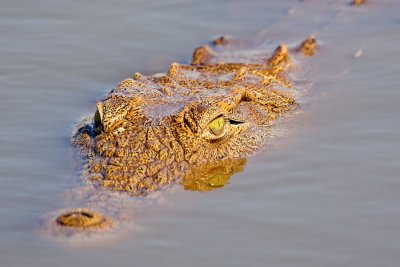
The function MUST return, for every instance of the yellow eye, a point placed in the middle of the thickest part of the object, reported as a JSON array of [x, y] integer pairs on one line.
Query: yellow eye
[[217, 126]]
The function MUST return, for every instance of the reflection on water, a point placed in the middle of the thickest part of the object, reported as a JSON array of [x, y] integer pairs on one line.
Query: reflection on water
[[212, 177], [325, 194]]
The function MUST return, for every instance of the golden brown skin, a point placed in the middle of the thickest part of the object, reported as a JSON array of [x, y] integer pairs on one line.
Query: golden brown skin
[[308, 47], [151, 131], [201, 55], [222, 40], [82, 218]]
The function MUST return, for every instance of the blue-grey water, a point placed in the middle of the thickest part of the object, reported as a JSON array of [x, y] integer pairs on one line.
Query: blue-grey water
[[326, 193]]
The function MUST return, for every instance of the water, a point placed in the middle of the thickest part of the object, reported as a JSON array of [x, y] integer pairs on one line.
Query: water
[[325, 194]]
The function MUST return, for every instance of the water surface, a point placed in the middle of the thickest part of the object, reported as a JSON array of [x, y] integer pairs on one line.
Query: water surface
[[324, 194]]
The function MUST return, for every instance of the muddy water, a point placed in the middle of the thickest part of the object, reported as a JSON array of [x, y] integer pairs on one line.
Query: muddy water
[[324, 194]]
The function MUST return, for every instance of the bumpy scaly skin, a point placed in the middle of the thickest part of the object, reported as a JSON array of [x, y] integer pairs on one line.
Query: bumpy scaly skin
[[200, 119], [308, 46]]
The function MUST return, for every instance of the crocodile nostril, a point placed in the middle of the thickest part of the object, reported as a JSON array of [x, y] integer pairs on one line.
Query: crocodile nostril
[[87, 214], [83, 219]]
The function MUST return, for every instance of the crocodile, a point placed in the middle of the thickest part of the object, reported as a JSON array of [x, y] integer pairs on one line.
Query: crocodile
[[193, 125]]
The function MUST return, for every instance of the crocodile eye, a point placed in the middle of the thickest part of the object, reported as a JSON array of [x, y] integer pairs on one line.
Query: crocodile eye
[[97, 118], [217, 126]]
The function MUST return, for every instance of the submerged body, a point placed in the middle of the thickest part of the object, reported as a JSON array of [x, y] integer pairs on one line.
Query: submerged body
[[195, 124]]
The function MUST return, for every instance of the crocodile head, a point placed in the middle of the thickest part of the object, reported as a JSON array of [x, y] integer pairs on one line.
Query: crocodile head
[[194, 124]]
